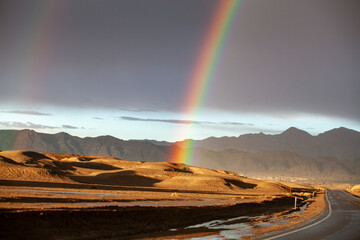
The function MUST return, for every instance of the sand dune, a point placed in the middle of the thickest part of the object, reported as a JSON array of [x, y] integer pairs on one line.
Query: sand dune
[[355, 190], [25, 165], [71, 168]]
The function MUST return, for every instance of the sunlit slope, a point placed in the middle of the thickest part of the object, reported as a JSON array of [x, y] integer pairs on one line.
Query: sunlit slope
[[52, 167]]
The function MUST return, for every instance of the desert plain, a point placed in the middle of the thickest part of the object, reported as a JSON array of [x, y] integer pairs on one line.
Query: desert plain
[[67, 196]]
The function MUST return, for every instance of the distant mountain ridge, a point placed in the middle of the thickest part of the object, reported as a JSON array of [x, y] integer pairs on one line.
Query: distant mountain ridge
[[333, 155], [341, 143], [65, 143], [281, 165]]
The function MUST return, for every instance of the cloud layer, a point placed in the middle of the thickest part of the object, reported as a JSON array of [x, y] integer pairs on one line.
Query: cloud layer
[[282, 57], [30, 125], [26, 125], [181, 121], [35, 113]]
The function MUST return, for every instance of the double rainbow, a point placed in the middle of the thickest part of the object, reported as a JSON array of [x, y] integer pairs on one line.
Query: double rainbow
[[203, 73], [38, 46]]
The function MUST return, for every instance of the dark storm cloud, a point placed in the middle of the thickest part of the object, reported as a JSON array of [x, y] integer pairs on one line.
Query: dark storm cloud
[[25, 125], [288, 57], [180, 121], [28, 113], [129, 54], [282, 56]]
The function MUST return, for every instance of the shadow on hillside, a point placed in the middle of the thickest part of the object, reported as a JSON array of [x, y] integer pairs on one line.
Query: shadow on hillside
[[35, 156], [121, 178], [240, 183], [88, 165], [8, 160]]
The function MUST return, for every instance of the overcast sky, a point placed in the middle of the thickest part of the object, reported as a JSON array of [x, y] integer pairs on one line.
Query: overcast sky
[[121, 68]]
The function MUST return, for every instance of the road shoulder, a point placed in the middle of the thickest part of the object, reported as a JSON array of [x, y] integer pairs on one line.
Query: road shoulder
[[317, 210]]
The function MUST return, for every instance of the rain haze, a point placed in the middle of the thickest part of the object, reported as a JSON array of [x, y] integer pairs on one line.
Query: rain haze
[[123, 68]]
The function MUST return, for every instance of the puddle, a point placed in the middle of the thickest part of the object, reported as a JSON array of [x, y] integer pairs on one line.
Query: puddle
[[263, 224], [274, 221], [302, 208], [215, 223], [240, 227], [228, 228], [232, 231]]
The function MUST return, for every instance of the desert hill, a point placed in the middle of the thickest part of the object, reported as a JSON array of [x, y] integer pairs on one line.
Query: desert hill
[[70, 168], [355, 190]]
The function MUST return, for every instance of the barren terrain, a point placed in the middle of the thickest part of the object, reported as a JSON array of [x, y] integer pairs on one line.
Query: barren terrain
[[355, 190], [66, 196]]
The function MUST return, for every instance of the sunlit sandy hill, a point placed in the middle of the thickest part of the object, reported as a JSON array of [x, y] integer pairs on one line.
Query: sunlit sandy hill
[[67, 168]]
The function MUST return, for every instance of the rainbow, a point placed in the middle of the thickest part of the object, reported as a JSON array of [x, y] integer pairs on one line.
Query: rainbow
[[38, 45], [203, 73]]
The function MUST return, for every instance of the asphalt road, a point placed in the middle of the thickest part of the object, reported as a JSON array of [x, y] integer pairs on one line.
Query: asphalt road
[[341, 222]]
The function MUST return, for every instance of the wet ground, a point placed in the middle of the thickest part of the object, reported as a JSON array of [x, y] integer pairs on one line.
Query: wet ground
[[241, 227], [120, 220], [12, 198], [148, 214], [342, 221]]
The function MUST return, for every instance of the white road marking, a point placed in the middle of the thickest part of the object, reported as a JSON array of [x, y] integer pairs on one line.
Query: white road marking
[[306, 227]]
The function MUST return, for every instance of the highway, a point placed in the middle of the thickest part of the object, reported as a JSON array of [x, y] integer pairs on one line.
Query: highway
[[342, 221]]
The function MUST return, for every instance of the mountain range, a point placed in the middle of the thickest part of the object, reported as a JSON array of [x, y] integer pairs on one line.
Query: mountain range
[[341, 143], [331, 156]]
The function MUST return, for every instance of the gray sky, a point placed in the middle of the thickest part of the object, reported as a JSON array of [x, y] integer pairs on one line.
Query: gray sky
[[282, 58]]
